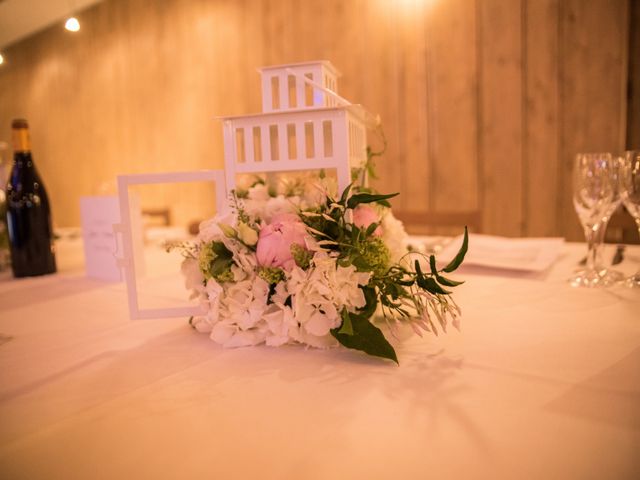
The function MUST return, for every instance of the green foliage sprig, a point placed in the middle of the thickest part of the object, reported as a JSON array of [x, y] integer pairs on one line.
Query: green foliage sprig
[[398, 291]]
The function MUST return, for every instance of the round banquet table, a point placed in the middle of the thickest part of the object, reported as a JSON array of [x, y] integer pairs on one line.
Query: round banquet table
[[542, 381]]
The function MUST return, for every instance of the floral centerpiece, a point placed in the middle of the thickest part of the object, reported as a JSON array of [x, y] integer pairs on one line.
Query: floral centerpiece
[[300, 266]]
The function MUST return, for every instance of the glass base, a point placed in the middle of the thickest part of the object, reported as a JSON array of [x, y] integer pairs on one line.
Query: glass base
[[596, 278], [633, 281], [612, 277]]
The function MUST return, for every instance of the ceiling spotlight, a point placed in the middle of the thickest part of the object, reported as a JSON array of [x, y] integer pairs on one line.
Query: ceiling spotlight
[[72, 24], [1, 59]]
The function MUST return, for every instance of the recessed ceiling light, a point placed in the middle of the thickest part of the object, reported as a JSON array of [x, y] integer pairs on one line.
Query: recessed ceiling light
[[72, 24], [1, 59]]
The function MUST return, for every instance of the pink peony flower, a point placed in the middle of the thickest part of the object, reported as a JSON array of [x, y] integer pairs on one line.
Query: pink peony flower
[[364, 215], [275, 240]]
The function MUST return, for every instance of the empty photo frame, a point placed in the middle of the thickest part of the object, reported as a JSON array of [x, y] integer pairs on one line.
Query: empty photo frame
[[132, 271]]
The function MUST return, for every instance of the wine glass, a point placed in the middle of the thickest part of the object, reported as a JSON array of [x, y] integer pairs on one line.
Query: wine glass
[[594, 195], [607, 275], [630, 193]]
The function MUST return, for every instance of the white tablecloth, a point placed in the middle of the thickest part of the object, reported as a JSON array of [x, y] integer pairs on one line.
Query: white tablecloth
[[543, 381]]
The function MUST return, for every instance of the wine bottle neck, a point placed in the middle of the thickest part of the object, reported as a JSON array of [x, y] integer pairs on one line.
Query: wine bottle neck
[[21, 141], [22, 159]]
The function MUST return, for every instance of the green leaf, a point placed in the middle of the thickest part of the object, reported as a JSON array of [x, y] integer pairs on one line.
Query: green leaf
[[389, 303], [439, 278], [347, 326], [418, 269], [220, 265], [220, 250], [447, 282], [370, 229], [359, 198], [345, 194], [430, 285], [364, 336], [367, 338], [371, 302], [457, 260], [355, 233], [395, 291], [432, 264]]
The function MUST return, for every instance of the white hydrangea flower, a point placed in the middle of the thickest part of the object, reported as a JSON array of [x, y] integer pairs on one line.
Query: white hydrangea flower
[[326, 341], [280, 324], [240, 310], [259, 204], [193, 277], [210, 302], [280, 204], [244, 258], [259, 193], [256, 199], [209, 229], [229, 336], [318, 296], [394, 236]]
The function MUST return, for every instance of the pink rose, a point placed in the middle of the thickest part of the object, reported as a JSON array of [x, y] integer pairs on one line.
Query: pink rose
[[275, 240], [364, 215]]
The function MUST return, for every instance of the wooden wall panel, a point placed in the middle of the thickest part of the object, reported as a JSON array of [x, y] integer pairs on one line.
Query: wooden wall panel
[[501, 115], [413, 141], [452, 81], [483, 102], [384, 95], [541, 135], [633, 107]]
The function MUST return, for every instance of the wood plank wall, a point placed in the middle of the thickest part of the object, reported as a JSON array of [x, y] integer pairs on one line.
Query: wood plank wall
[[633, 93], [484, 102]]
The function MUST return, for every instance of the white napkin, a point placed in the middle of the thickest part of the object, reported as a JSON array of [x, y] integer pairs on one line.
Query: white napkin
[[522, 254]]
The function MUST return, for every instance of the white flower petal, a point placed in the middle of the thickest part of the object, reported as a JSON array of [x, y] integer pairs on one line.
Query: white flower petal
[[318, 325], [245, 339], [201, 324], [222, 332], [326, 341]]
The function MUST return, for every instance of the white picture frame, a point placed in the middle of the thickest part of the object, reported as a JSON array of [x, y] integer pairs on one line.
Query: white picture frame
[[124, 229]]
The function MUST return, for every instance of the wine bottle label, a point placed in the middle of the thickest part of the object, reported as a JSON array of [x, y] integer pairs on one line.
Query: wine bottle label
[[21, 140]]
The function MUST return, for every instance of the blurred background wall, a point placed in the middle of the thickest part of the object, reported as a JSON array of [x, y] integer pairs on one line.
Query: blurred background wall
[[484, 102]]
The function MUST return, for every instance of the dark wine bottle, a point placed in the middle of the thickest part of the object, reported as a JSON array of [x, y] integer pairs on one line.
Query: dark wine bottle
[[28, 212]]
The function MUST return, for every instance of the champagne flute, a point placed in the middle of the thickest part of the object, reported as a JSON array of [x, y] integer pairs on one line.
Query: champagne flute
[[630, 194], [594, 192]]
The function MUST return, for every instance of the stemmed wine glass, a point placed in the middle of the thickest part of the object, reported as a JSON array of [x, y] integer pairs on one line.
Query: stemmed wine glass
[[630, 193], [607, 275], [594, 198]]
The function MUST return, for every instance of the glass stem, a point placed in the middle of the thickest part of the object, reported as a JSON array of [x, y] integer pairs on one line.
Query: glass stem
[[637, 219], [602, 228], [592, 235]]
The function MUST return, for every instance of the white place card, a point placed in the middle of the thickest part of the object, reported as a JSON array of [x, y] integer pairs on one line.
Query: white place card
[[98, 215]]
